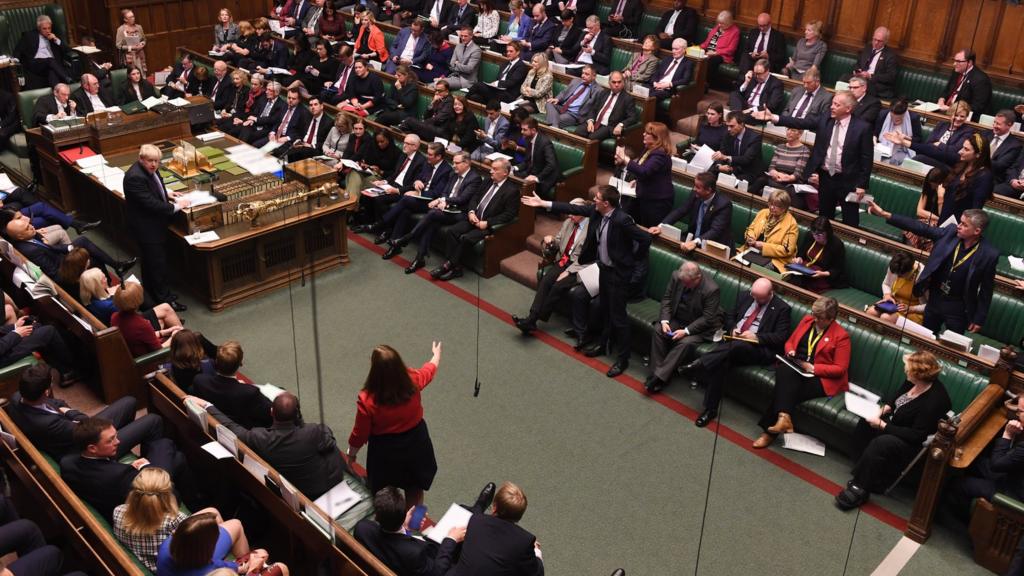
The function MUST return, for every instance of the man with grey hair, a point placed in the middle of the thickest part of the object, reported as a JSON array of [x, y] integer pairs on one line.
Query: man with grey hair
[[55, 106], [267, 112], [842, 156], [879, 65], [42, 54], [868, 107], [1004, 147], [690, 314], [91, 97], [809, 100], [960, 272]]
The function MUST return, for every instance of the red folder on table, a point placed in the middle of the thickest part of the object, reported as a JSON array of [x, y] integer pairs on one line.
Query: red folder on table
[[71, 155]]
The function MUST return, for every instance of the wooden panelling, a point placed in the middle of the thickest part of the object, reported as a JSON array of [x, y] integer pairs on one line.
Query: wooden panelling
[[853, 24]]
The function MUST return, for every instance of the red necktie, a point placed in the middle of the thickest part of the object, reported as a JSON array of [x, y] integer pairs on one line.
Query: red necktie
[[755, 93], [956, 89], [568, 247], [750, 319], [604, 109], [284, 123], [760, 44], [575, 95], [668, 73], [355, 149], [311, 133]]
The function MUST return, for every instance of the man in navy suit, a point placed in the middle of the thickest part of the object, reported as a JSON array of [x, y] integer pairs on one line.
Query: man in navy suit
[[41, 52], [741, 149], [1005, 147], [182, 79], [510, 78], [541, 33], [594, 48], [398, 183], [494, 131], [612, 113], [679, 22], [385, 537], [49, 252], [759, 90], [842, 156], [447, 209], [495, 544], [540, 164], [459, 15], [150, 208], [292, 127], [429, 184], [616, 244], [624, 19], [244, 403], [763, 42], [968, 83], [266, 114], [410, 47], [760, 324], [710, 215], [673, 72], [960, 272], [879, 65], [315, 134], [1014, 185]]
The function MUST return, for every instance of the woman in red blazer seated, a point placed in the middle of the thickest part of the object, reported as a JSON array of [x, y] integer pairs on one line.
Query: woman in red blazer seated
[[820, 346], [389, 415]]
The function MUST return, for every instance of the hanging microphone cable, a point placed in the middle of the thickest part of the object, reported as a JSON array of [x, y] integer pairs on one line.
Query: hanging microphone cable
[[476, 378]]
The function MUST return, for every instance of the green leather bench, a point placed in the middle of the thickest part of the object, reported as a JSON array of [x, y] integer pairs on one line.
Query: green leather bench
[[918, 84], [835, 65], [648, 25]]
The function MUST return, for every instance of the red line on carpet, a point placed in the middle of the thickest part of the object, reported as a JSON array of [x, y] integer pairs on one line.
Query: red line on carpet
[[798, 470]]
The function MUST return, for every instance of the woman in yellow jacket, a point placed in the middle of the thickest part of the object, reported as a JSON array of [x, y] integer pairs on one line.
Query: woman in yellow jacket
[[774, 231]]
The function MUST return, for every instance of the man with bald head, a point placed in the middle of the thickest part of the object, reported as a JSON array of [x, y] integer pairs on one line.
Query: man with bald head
[[879, 65], [756, 329], [763, 42], [690, 314], [306, 454], [612, 113], [219, 87], [842, 156], [91, 97]]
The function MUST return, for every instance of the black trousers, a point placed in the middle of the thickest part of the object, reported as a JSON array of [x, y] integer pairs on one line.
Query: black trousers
[[428, 226], [951, 312], [132, 432], [882, 460], [46, 340], [377, 206], [459, 238], [551, 291], [51, 69], [717, 361], [484, 93], [612, 298], [397, 217], [649, 212], [790, 389], [98, 256], [832, 192], [154, 270], [600, 132]]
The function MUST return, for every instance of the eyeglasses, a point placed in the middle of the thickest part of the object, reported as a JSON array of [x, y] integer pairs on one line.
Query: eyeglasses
[[955, 61]]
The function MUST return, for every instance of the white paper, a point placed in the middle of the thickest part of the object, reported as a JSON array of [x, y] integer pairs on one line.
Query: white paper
[[914, 166], [322, 524], [589, 277], [199, 198], [255, 468], [290, 494], [951, 221], [455, 517], [986, 120], [179, 102], [133, 278], [227, 439], [641, 91], [926, 107], [201, 237], [624, 188], [862, 402], [701, 161], [955, 340], [91, 161], [1017, 263], [842, 86], [990, 353], [726, 180], [217, 451], [152, 100], [670, 232], [87, 49], [276, 70], [556, 67], [338, 500], [914, 328], [804, 189], [679, 164], [5, 183], [210, 136], [803, 443], [197, 414], [496, 155], [270, 146], [270, 391], [852, 197]]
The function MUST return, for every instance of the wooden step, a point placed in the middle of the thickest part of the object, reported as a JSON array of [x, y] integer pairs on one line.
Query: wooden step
[[522, 268]]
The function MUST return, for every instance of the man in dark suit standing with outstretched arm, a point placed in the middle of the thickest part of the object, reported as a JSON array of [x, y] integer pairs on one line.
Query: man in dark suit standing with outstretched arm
[[150, 209], [615, 243]]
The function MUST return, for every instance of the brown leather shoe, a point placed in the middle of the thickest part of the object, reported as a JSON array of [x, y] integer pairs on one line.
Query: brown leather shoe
[[783, 425], [764, 440]]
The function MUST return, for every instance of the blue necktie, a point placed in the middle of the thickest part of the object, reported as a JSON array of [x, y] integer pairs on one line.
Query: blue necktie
[[700, 219]]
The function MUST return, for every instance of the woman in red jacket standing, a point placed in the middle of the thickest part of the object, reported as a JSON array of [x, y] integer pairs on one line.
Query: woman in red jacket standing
[[389, 415], [819, 347]]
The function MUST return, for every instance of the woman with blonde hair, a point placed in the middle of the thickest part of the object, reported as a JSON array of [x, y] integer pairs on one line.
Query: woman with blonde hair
[[891, 439], [225, 31], [809, 52], [653, 174], [536, 89], [337, 139], [389, 415], [773, 233], [96, 295], [150, 514]]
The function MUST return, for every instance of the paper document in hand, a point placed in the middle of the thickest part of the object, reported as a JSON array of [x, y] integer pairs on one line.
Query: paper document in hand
[[862, 402], [590, 277], [804, 189], [133, 278], [455, 517], [1017, 263], [624, 188], [701, 161], [951, 221], [216, 450], [670, 232], [803, 443], [852, 197], [338, 500], [793, 365]]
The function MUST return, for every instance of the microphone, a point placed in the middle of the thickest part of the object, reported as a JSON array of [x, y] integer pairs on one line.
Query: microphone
[[476, 388]]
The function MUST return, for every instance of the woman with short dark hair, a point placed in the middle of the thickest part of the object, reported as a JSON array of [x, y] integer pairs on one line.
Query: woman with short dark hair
[[822, 251]]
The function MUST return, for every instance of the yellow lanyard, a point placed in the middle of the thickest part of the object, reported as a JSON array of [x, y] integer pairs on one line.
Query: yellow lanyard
[[958, 263], [644, 157], [821, 250], [812, 341]]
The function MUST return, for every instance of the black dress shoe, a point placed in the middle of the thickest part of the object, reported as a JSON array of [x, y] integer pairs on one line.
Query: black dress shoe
[[571, 333], [581, 343], [617, 368], [691, 368], [358, 228], [124, 265], [653, 385], [374, 227], [436, 273], [594, 350], [524, 324], [851, 497], [451, 274], [705, 418], [83, 227], [391, 252], [415, 265], [177, 306], [483, 501], [401, 241], [382, 238]]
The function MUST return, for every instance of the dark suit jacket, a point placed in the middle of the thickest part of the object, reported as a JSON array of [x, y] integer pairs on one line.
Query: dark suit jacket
[[858, 149], [440, 113], [85, 105], [271, 120], [717, 223], [868, 109], [419, 54], [653, 177], [539, 36], [497, 547], [404, 554], [48, 431], [503, 207], [623, 112], [948, 153], [28, 44], [411, 174], [297, 124], [460, 198], [543, 164], [685, 26], [632, 11], [225, 92], [914, 421], [777, 56], [746, 165], [306, 454], [700, 314], [509, 87], [322, 131], [816, 108], [570, 45], [1005, 157], [681, 76], [149, 212], [147, 89], [193, 85], [773, 331], [602, 54], [243, 403], [627, 242], [883, 81], [103, 483], [48, 258], [452, 21], [980, 275], [434, 186], [45, 106], [977, 90], [365, 143], [772, 95]]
